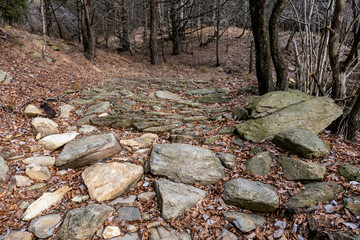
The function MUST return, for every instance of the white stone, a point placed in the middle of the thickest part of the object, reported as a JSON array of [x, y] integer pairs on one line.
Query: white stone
[[106, 181], [37, 172], [53, 142], [33, 111], [65, 111], [43, 161], [131, 228], [80, 198], [22, 181], [44, 202], [111, 231], [43, 127], [87, 129], [19, 235]]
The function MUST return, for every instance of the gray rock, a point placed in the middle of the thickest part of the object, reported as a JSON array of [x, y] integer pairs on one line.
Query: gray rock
[[162, 233], [82, 223], [19, 235], [295, 169], [238, 142], [114, 121], [212, 140], [87, 150], [43, 227], [260, 164], [129, 236], [227, 159], [43, 127], [106, 181], [87, 129], [65, 111], [160, 129], [174, 198], [214, 98], [98, 108], [168, 95], [3, 169], [227, 235], [240, 113], [227, 131], [245, 222], [203, 91], [313, 115], [85, 120], [146, 196], [195, 118], [124, 201], [349, 172], [352, 203], [186, 163], [275, 101], [3, 75], [302, 142], [252, 195], [345, 236], [128, 214], [314, 193], [141, 125]]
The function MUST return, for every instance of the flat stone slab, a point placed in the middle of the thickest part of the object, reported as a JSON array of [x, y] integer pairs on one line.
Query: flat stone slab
[[98, 108], [313, 115], [88, 150], [162, 233], [44, 202], [295, 169], [302, 142], [245, 222], [168, 95], [43, 161], [252, 195], [106, 181], [275, 101], [82, 223], [186, 163], [314, 193], [128, 214], [55, 141], [174, 198]]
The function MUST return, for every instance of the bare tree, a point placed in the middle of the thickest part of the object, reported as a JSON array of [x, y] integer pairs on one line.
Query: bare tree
[[154, 55]]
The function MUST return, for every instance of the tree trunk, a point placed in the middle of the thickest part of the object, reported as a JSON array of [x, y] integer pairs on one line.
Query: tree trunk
[[60, 28], [338, 80], [90, 32], [47, 16], [43, 21], [282, 79], [125, 42], [175, 27], [262, 45], [154, 55], [79, 20], [354, 118], [218, 6]]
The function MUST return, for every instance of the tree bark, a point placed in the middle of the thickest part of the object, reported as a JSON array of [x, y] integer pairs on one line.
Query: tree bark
[[90, 32], [218, 6], [282, 78], [43, 21], [175, 27], [338, 78], [125, 42], [262, 45], [154, 55], [47, 16], [60, 28]]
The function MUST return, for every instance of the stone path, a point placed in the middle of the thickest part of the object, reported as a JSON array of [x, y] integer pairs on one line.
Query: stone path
[[127, 171]]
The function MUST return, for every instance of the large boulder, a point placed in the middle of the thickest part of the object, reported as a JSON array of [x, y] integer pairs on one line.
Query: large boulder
[[88, 150], [302, 142], [275, 101], [106, 181], [186, 163], [295, 169], [252, 195], [313, 115], [82, 223], [314, 193], [174, 198]]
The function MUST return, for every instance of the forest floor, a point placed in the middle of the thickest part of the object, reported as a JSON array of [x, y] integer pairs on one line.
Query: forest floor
[[37, 80]]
